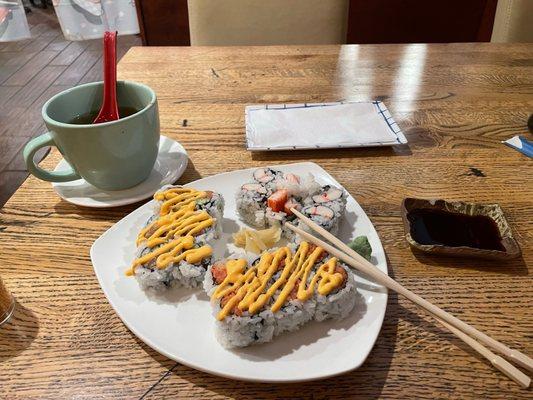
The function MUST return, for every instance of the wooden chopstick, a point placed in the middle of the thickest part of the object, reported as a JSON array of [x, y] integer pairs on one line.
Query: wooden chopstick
[[498, 362], [521, 359], [359, 263]]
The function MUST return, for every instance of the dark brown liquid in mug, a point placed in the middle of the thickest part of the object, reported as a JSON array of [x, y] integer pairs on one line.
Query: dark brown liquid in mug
[[88, 118], [453, 229]]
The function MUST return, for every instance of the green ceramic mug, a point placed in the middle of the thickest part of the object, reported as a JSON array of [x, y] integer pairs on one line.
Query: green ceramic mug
[[111, 156]]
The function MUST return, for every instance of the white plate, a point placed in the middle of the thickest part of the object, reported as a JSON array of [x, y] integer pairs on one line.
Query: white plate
[[170, 164], [180, 324], [342, 124]]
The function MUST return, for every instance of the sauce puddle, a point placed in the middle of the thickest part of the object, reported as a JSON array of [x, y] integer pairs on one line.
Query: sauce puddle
[[439, 227]]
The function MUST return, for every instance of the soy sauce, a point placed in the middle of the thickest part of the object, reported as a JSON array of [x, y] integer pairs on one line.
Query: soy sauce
[[439, 227], [89, 117]]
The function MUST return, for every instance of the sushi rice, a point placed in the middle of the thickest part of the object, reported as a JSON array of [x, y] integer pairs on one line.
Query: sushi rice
[[181, 273], [325, 205], [248, 329]]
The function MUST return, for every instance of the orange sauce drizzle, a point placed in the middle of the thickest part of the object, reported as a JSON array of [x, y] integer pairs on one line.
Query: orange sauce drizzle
[[250, 286], [174, 230]]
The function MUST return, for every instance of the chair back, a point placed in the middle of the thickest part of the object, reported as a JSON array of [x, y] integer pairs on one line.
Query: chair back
[[267, 22]]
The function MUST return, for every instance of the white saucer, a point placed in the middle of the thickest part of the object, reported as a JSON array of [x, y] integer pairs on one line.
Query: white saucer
[[169, 166]]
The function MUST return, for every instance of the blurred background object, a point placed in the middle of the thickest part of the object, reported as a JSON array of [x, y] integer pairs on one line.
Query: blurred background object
[[278, 22], [256, 22], [419, 21], [41, 3], [89, 19], [13, 23], [259, 22], [79, 19], [513, 21]]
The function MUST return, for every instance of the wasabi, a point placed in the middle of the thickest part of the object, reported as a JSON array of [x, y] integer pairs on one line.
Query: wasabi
[[361, 245]]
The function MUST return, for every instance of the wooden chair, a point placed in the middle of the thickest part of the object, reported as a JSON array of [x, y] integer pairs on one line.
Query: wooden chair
[[513, 21], [260, 22]]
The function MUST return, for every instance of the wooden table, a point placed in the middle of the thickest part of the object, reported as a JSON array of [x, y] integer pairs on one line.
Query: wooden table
[[455, 104]]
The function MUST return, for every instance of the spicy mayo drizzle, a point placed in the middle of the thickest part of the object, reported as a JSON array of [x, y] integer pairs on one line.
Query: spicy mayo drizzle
[[174, 230], [252, 291]]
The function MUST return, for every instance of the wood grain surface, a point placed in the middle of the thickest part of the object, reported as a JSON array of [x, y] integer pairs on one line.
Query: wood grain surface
[[455, 104]]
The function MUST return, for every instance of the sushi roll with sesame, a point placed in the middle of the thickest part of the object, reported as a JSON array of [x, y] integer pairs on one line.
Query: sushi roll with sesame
[[251, 203], [175, 246], [266, 175], [279, 292], [268, 200], [325, 208]]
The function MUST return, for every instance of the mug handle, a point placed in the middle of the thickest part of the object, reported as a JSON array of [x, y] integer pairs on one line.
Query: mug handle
[[29, 151]]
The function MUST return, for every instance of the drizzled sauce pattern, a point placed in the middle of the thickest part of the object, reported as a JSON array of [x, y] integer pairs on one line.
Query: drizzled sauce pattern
[[250, 290], [174, 230]]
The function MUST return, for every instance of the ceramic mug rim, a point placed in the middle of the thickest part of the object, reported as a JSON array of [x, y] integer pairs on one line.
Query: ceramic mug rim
[[50, 120]]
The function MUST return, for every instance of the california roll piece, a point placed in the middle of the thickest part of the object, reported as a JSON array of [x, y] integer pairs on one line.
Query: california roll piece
[[266, 175], [175, 245], [268, 200], [278, 292], [251, 203]]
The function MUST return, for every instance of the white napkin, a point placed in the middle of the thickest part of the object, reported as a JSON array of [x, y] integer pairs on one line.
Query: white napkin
[[320, 125]]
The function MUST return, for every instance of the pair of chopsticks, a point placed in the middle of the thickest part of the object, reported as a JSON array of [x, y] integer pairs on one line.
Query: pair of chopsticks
[[467, 333]]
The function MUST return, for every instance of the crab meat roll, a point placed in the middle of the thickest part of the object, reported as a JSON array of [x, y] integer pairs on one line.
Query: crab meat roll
[[266, 175], [269, 199], [326, 208], [251, 201], [329, 195], [279, 292], [297, 186], [175, 245]]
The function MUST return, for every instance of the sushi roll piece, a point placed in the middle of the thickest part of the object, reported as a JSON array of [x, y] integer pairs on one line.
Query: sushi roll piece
[[174, 247], [331, 197], [326, 208], [321, 215], [269, 199], [266, 175], [279, 292], [297, 186], [251, 202]]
